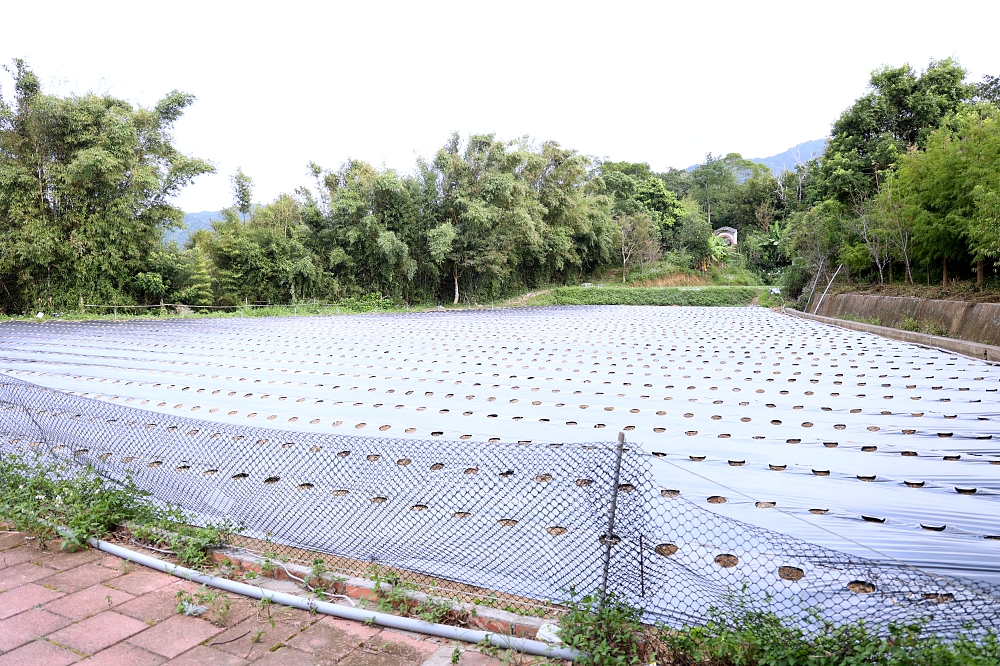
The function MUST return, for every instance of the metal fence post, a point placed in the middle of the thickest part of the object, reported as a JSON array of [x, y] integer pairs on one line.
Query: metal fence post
[[609, 537]]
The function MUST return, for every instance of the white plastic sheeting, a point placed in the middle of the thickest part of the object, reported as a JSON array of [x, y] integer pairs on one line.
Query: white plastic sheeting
[[878, 448]]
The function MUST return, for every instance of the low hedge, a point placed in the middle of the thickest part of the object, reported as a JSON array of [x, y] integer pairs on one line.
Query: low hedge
[[710, 296]]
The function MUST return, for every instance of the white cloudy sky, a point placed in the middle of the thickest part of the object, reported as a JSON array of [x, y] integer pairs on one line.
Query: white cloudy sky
[[283, 83]]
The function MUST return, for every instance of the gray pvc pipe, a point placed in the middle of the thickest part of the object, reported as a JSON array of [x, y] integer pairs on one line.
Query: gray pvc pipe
[[348, 613]]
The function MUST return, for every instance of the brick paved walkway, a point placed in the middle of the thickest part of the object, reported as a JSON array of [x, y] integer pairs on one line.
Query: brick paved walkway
[[59, 608]]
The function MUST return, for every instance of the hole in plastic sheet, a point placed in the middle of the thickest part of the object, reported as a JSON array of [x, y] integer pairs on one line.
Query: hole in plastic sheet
[[182, 468], [965, 490], [373, 457], [306, 486], [378, 500], [583, 483], [665, 549], [866, 477], [543, 478], [765, 505], [860, 587], [340, 492], [384, 427], [778, 468], [737, 463], [556, 530], [155, 463], [790, 573], [668, 492], [210, 472], [691, 433], [697, 458], [821, 472], [507, 522], [436, 467], [938, 597], [840, 426], [716, 499], [626, 487], [461, 514], [271, 479], [343, 454], [727, 560], [240, 475], [615, 539], [873, 519], [410, 431], [952, 458], [933, 528], [418, 507], [869, 449], [403, 462], [819, 512]]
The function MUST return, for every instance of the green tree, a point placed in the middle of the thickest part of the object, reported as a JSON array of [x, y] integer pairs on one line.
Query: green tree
[[714, 184], [635, 239], [635, 190], [86, 184], [242, 188], [898, 113], [950, 189]]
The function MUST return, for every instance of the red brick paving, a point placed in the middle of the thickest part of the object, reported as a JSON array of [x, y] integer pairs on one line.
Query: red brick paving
[[59, 608], [27, 626], [98, 632], [38, 653], [87, 602], [175, 635]]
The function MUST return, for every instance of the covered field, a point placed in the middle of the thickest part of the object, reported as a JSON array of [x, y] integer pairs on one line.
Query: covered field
[[851, 442]]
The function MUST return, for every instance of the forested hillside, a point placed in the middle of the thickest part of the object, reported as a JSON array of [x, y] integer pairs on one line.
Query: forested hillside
[[907, 188]]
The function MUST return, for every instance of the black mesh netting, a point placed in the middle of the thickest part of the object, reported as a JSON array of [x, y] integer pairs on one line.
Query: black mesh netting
[[521, 523]]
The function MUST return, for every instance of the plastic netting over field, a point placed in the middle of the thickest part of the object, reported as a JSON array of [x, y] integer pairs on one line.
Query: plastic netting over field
[[520, 520]]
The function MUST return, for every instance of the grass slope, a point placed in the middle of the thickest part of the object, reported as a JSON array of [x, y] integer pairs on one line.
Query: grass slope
[[717, 296]]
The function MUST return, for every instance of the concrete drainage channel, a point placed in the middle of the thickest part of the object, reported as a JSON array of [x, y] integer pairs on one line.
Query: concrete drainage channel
[[966, 348], [494, 638]]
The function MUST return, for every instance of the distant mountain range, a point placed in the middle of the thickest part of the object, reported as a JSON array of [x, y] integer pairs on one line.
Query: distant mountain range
[[192, 222], [787, 160], [795, 155]]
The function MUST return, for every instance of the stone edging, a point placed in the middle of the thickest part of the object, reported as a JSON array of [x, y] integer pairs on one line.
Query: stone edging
[[974, 349], [482, 618]]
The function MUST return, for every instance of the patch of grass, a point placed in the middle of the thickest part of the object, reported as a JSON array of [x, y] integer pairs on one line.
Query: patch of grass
[[762, 638], [400, 598], [37, 496], [739, 635], [611, 634], [710, 296], [909, 324], [216, 604]]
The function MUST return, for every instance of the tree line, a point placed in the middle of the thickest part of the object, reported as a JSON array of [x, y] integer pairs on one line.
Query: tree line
[[909, 177]]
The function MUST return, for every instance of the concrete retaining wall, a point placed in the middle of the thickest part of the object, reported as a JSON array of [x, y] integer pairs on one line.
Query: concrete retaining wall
[[964, 347], [976, 322]]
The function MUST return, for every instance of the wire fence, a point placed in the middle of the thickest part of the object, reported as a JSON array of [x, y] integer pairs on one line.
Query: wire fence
[[519, 526]]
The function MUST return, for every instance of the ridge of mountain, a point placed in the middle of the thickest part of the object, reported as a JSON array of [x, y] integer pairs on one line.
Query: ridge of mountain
[[192, 222], [789, 159]]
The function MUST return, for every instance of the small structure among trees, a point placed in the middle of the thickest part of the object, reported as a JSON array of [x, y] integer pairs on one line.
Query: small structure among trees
[[728, 234]]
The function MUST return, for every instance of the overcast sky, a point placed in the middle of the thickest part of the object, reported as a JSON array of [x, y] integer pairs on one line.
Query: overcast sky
[[283, 83]]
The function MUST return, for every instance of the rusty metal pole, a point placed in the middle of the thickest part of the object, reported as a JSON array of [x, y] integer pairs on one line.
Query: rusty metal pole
[[609, 537]]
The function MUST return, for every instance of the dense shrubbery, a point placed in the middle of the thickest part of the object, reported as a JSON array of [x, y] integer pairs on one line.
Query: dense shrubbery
[[717, 296]]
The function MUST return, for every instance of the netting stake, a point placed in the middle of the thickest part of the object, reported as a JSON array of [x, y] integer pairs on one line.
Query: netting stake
[[642, 570], [611, 519]]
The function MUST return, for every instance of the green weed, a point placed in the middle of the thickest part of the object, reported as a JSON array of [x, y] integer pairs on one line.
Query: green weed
[[703, 296]]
